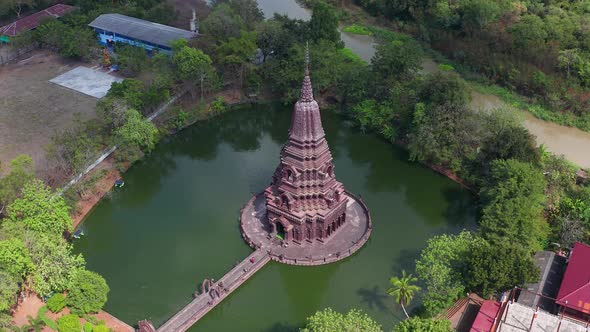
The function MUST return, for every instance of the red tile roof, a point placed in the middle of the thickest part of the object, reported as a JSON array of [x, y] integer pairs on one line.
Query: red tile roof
[[486, 316], [32, 21], [575, 287]]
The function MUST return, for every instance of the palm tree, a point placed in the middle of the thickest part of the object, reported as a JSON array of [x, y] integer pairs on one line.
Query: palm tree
[[403, 289]]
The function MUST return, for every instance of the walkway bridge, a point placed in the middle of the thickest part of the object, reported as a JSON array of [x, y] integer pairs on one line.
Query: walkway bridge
[[212, 293]]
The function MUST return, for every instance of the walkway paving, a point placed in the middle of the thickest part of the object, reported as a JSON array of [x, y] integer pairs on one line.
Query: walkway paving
[[203, 303], [349, 238]]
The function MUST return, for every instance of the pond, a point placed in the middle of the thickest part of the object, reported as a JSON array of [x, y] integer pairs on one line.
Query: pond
[[175, 223]]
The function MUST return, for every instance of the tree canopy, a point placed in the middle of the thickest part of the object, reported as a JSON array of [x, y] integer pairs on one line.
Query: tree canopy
[[87, 293], [329, 320]]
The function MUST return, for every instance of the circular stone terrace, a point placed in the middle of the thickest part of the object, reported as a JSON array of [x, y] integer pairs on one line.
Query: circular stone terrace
[[349, 238]]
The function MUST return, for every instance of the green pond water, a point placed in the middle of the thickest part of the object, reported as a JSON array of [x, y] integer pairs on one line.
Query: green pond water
[[175, 223]]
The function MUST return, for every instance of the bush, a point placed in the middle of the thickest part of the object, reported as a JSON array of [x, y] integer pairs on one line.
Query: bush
[[48, 321], [69, 323], [56, 302], [88, 327], [358, 29], [88, 292], [101, 328]]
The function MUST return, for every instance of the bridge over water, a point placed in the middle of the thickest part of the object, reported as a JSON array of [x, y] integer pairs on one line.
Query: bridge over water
[[212, 293]]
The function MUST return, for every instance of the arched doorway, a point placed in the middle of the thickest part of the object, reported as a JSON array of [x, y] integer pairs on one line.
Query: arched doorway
[[281, 234]]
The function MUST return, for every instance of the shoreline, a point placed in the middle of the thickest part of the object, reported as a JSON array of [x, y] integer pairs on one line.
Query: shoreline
[[105, 184]]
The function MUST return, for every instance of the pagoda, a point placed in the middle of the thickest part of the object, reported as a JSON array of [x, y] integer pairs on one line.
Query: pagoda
[[305, 202]]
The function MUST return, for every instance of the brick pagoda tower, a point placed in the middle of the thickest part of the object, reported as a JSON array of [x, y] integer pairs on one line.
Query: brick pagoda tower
[[305, 202]]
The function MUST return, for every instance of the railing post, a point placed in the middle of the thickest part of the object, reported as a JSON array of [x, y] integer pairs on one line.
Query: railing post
[[534, 316]]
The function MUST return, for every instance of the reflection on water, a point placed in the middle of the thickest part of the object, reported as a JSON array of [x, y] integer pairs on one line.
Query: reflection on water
[[175, 224]]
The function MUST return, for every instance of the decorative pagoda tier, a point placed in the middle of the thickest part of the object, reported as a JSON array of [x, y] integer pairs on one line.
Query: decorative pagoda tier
[[304, 200]]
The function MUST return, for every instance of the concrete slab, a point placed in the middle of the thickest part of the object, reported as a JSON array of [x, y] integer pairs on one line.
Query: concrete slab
[[519, 319], [86, 80]]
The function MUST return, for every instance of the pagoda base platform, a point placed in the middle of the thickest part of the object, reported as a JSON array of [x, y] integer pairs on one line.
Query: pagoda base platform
[[349, 238]]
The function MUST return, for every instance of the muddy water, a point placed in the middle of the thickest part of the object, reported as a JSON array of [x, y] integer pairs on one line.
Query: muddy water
[[573, 143]]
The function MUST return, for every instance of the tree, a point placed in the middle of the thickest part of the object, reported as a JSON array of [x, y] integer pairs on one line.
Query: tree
[[131, 59], [329, 320], [486, 274], [530, 33], [444, 88], [130, 90], [324, 23], [8, 290], [395, 61], [137, 132], [237, 53], [40, 210], [417, 324], [55, 264], [513, 203], [503, 137], [444, 135], [439, 267], [222, 23], [69, 323], [56, 303], [194, 66], [16, 5], [248, 10], [403, 289], [87, 293], [15, 258], [22, 170]]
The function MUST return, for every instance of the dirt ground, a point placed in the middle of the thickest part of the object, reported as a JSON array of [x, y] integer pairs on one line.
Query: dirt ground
[[32, 109]]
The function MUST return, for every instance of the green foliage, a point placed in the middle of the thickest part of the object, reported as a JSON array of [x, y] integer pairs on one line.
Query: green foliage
[[218, 106], [70, 41], [444, 88], [57, 302], [403, 289], [324, 23], [495, 268], [513, 202], [222, 23], [15, 258], [417, 324], [55, 264], [129, 90], [358, 29], [40, 210], [398, 60], [69, 323], [22, 170], [88, 327], [42, 314], [8, 290], [88, 292], [137, 132], [439, 267], [194, 66], [377, 117], [131, 59], [443, 135], [329, 320], [101, 328]]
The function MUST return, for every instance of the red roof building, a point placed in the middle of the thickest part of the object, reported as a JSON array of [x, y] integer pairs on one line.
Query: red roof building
[[487, 317], [34, 20], [574, 293]]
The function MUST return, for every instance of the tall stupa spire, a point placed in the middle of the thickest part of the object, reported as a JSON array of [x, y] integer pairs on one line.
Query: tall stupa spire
[[307, 89], [305, 201]]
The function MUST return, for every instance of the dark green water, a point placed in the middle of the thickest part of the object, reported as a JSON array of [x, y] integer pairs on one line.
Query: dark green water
[[175, 223]]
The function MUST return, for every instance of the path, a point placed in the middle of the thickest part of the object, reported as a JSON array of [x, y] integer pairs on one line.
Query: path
[[206, 301], [112, 149]]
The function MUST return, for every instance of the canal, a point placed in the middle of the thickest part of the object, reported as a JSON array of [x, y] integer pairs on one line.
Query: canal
[[175, 224]]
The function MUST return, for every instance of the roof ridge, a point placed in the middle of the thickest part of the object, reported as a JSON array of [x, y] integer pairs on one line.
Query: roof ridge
[[575, 290]]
